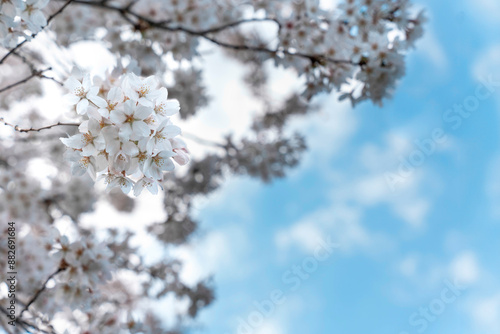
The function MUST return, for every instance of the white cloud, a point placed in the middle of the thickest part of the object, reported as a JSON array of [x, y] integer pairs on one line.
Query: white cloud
[[227, 245], [488, 63], [326, 132], [215, 253], [230, 107], [431, 48], [485, 313], [421, 274], [233, 198], [270, 327], [306, 235], [369, 186], [464, 268], [341, 223], [356, 189]]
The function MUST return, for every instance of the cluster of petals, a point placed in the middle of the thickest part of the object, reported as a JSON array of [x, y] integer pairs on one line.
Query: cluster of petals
[[127, 137], [17, 16], [86, 265]]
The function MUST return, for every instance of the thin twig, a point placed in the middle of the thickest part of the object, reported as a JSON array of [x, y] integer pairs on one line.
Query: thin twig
[[39, 291], [52, 79], [34, 74], [50, 18], [18, 129]]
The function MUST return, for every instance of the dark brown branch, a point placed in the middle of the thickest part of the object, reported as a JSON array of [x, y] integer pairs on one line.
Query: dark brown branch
[[144, 22], [39, 291], [20, 82], [18, 129], [50, 18]]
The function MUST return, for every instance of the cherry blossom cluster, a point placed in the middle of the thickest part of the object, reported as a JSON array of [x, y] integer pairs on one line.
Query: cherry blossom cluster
[[127, 137], [43, 248], [19, 16], [364, 40], [79, 268], [85, 266]]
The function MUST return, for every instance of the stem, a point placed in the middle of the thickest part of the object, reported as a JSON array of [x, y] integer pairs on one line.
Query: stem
[[18, 129], [34, 74], [39, 291]]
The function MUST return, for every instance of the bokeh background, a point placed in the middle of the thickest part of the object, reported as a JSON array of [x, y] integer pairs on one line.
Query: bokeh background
[[415, 221]]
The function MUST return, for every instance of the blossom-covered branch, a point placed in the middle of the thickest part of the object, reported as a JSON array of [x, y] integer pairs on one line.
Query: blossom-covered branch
[[142, 22]]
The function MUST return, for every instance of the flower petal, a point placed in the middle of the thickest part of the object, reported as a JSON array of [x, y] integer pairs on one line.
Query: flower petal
[[81, 107], [72, 84], [117, 117], [98, 101], [140, 129], [76, 141]]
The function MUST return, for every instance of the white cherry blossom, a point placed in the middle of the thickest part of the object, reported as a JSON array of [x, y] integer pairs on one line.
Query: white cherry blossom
[[114, 97], [157, 164], [32, 14], [82, 93], [141, 90], [160, 139], [148, 183], [89, 141], [131, 119]]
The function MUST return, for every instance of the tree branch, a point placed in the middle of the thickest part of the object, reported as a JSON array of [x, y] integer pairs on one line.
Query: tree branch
[[39, 291], [51, 17], [34, 74], [18, 129], [52, 79], [124, 11]]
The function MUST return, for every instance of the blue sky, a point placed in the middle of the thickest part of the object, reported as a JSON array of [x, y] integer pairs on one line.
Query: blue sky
[[398, 250]]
